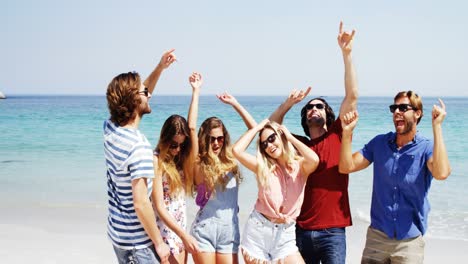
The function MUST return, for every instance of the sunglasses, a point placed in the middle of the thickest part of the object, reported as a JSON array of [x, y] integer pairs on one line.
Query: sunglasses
[[145, 92], [175, 145], [401, 107], [220, 139], [318, 106], [270, 139]]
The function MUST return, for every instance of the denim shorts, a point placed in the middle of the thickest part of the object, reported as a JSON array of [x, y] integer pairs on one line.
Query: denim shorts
[[218, 236], [137, 256], [267, 241]]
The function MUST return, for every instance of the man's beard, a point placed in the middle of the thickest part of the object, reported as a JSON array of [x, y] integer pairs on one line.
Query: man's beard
[[316, 121], [144, 109], [408, 128]]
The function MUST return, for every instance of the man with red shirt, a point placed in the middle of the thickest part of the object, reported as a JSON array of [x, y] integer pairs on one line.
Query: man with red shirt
[[320, 230]]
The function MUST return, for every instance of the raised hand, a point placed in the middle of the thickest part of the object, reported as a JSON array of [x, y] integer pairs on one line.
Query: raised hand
[[345, 39], [227, 98], [285, 131], [438, 113], [349, 121], [297, 95], [167, 59], [262, 124], [196, 80]]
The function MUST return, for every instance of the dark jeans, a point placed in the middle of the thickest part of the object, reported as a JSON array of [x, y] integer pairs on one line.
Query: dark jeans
[[325, 245]]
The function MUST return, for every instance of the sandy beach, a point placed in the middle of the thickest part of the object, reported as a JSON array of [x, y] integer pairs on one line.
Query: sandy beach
[[60, 234]]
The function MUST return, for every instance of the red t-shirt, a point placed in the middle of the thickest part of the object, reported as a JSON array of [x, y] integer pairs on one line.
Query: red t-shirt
[[326, 202]]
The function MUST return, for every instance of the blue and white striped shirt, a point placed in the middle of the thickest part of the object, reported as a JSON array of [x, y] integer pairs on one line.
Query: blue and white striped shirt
[[128, 157]]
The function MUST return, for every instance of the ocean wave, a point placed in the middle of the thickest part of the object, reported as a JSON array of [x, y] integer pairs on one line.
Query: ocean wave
[[11, 161]]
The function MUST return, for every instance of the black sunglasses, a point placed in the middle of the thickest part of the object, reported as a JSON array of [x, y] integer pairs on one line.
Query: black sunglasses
[[220, 139], [145, 92], [401, 107], [175, 145], [318, 106], [270, 139]]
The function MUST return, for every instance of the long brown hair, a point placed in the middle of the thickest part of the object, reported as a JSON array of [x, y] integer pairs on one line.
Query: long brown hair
[[215, 167], [330, 115], [172, 165], [122, 97]]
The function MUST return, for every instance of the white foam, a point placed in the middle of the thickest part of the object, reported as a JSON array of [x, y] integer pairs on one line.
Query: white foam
[[362, 216]]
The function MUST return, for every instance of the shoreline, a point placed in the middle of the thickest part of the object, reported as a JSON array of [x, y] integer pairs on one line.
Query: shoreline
[[210, 95], [47, 234]]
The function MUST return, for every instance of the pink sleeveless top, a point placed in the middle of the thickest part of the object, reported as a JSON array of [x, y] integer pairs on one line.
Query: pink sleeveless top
[[282, 199]]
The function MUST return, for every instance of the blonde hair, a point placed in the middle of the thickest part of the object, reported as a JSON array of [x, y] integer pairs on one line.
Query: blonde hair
[[172, 165], [266, 164], [214, 167]]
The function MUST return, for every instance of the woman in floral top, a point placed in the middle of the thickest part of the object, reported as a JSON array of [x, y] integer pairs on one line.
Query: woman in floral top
[[171, 159]]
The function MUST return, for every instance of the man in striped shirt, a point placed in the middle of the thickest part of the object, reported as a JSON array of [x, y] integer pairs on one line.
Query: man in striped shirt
[[129, 160]]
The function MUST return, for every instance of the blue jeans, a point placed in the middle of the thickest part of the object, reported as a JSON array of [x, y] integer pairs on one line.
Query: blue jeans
[[325, 245], [137, 256]]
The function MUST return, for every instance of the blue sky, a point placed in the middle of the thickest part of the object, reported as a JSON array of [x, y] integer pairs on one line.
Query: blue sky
[[244, 47]]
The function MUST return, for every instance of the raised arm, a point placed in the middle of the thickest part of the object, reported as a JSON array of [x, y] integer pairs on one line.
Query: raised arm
[[350, 162], [310, 159], [240, 147], [345, 41], [196, 81], [167, 59], [158, 201], [232, 101], [439, 164], [294, 97]]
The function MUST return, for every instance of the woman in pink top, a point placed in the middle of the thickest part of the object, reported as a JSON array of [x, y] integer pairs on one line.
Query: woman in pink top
[[269, 234]]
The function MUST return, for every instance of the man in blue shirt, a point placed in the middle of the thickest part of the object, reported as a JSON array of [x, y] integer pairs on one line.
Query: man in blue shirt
[[404, 164]]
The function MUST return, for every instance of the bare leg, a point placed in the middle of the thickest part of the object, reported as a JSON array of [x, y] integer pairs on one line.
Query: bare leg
[[294, 258], [179, 258], [227, 258], [204, 257], [251, 260]]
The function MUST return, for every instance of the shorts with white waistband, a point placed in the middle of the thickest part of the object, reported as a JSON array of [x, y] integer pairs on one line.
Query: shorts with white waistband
[[267, 241]]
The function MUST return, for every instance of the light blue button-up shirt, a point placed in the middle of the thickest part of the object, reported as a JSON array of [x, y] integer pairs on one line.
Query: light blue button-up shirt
[[400, 206]]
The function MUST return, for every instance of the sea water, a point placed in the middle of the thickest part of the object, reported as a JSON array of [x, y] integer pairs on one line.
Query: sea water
[[51, 150]]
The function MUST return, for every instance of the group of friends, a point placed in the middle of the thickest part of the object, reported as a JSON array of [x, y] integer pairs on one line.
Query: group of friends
[[302, 207]]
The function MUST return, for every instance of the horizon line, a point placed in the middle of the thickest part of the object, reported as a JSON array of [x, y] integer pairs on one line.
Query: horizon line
[[212, 94]]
